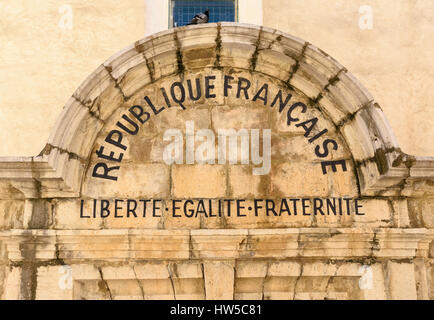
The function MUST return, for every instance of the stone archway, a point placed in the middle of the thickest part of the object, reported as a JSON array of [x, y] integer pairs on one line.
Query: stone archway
[[305, 69], [250, 78]]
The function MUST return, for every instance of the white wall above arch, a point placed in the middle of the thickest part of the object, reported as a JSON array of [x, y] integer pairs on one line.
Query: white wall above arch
[[156, 16], [250, 11]]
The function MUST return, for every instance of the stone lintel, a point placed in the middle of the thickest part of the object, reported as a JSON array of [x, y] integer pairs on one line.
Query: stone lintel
[[73, 246]]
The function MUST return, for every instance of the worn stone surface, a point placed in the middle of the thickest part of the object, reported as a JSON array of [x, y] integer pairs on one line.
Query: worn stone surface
[[11, 216], [219, 280], [248, 278], [401, 281], [199, 181], [295, 178], [12, 282], [54, 282], [421, 212], [65, 219]]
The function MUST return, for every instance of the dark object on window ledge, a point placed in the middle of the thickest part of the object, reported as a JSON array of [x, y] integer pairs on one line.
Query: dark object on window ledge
[[200, 18], [219, 10]]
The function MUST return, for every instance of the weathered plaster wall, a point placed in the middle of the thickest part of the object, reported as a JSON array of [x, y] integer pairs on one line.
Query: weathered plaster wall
[[393, 59], [42, 63]]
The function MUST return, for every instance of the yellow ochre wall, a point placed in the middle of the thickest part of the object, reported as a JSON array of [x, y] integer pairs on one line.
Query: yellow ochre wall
[[44, 57]]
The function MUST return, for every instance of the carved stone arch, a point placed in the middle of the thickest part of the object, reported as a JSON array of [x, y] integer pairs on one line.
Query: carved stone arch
[[328, 86]]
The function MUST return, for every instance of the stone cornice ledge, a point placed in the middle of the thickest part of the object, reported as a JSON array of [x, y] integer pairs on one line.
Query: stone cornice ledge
[[71, 246], [420, 181], [33, 177]]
